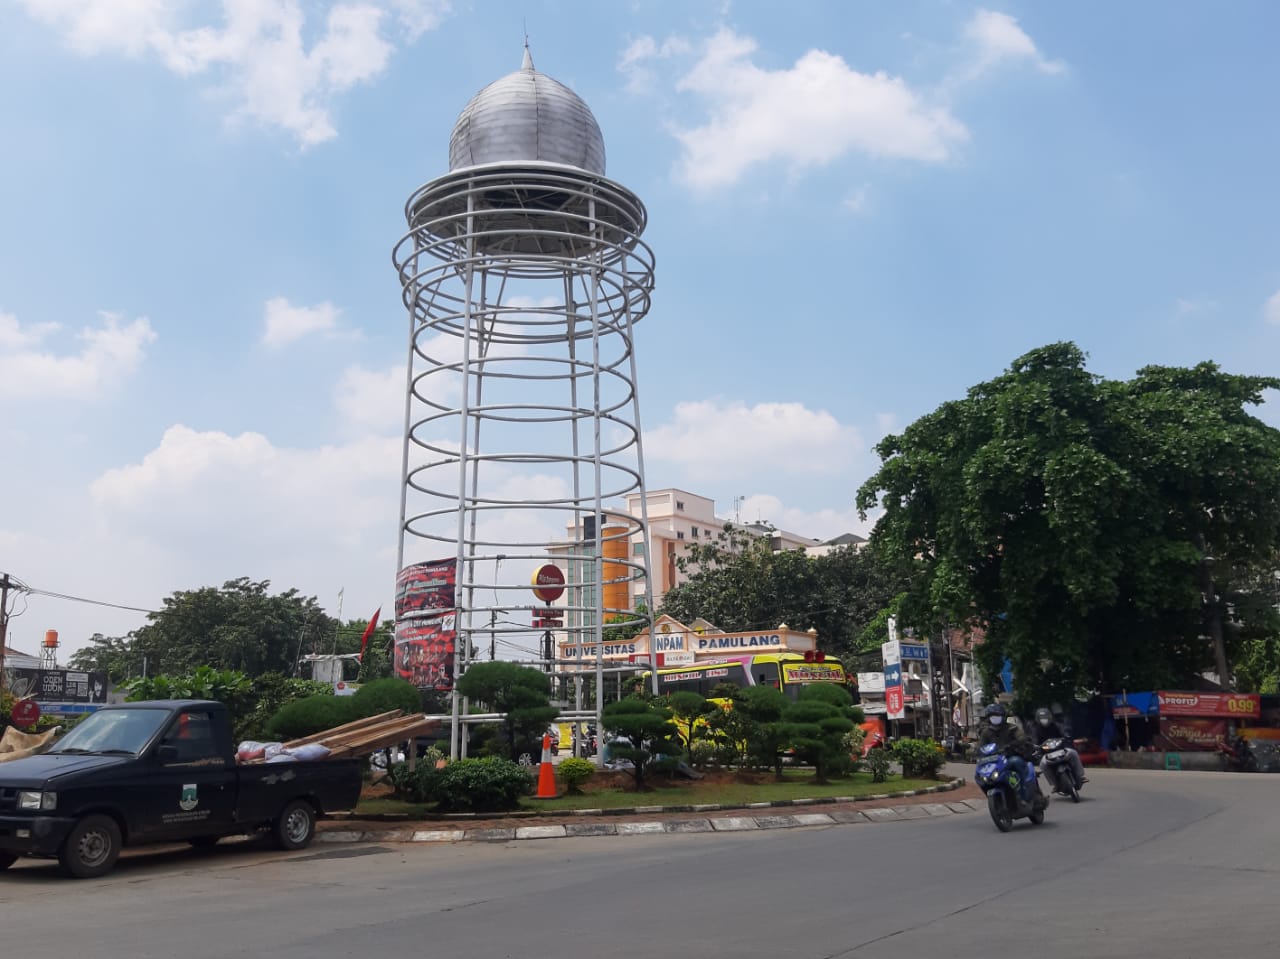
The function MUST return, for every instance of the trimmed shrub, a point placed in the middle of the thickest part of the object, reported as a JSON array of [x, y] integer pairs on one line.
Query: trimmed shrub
[[314, 714], [877, 763], [575, 772], [482, 785], [418, 785], [384, 695], [920, 758]]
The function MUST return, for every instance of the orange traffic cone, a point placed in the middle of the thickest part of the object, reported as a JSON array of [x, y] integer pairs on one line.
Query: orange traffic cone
[[546, 772]]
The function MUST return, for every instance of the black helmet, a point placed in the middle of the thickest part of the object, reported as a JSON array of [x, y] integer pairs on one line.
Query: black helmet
[[1043, 716], [995, 713]]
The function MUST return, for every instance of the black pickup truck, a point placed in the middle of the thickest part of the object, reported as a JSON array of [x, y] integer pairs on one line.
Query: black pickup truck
[[152, 772]]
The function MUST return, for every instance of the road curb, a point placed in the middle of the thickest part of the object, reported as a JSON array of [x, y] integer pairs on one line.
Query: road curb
[[347, 830]]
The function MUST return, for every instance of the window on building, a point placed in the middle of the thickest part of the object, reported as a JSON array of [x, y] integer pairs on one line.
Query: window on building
[[680, 505], [679, 534], [637, 549], [695, 532]]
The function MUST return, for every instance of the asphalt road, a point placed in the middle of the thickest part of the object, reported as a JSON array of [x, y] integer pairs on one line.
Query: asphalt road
[[1150, 864]]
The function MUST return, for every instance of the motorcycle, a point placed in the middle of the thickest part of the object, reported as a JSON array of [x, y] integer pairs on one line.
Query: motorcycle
[[1237, 756], [1060, 774], [1009, 795]]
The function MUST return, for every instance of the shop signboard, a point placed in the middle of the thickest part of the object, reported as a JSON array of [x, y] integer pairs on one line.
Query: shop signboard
[[1226, 705], [1191, 734]]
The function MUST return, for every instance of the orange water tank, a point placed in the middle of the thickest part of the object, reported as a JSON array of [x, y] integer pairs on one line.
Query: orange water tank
[[614, 544], [50, 639]]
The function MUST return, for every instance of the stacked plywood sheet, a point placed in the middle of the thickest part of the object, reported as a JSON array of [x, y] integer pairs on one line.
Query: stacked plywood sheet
[[366, 736]]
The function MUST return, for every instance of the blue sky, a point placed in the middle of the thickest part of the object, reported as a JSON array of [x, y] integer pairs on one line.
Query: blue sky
[[858, 211]]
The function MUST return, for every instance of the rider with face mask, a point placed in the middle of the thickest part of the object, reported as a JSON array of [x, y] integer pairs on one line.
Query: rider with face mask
[[1047, 728], [1000, 729]]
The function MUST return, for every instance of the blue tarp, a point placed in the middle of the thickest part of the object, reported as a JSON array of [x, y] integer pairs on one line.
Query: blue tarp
[[1133, 705]]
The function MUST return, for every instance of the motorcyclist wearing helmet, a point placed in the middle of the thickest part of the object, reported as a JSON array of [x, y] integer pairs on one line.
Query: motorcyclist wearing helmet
[[999, 728], [1048, 728]]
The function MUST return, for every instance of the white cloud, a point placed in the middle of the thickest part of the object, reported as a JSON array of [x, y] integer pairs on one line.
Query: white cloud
[[242, 496], [108, 353], [820, 524], [710, 439], [855, 201], [258, 55], [1272, 308], [811, 114], [635, 59], [371, 401], [997, 38], [420, 16], [284, 323]]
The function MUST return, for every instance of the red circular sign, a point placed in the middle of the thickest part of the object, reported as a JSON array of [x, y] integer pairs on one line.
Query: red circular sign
[[26, 712], [548, 583]]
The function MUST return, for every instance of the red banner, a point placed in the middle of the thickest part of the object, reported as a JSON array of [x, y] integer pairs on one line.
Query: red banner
[[1189, 735], [426, 588], [425, 650], [1230, 705]]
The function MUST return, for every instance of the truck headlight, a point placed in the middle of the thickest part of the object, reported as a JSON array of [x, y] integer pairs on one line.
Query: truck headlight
[[37, 801]]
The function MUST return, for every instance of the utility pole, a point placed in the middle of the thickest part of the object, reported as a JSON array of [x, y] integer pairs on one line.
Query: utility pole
[[4, 622]]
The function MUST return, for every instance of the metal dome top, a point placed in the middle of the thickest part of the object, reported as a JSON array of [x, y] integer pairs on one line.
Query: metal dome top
[[527, 116]]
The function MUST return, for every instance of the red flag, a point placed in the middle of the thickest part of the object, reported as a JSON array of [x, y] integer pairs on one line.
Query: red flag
[[368, 631]]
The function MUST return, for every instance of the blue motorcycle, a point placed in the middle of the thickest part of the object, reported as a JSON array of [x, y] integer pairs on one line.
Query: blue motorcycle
[[1011, 788]]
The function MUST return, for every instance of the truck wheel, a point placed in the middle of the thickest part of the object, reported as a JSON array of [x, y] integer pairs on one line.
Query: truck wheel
[[296, 826], [7, 859], [91, 848]]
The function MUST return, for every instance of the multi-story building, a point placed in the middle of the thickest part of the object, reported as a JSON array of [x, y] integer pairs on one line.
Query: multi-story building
[[678, 520]]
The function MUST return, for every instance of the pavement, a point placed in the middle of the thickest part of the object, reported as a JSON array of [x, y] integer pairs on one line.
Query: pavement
[[954, 797]]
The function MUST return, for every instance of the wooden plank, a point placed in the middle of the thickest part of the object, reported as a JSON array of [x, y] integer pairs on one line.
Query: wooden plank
[[346, 727]]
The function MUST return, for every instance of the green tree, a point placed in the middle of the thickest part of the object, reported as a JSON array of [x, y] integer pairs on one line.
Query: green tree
[[652, 740], [1088, 526], [740, 583], [113, 655], [522, 693], [690, 711], [239, 626], [815, 726]]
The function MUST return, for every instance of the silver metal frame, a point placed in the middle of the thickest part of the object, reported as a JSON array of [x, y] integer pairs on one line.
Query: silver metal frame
[[523, 282]]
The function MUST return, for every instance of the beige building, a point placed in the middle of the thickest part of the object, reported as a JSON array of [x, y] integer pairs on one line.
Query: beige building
[[678, 520]]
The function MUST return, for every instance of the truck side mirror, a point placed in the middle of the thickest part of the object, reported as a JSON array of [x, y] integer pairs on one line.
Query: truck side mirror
[[167, 754]]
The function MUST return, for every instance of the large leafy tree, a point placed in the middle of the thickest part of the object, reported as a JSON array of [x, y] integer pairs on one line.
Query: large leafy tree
[[739, 582], [1089, 526], [239, 626]]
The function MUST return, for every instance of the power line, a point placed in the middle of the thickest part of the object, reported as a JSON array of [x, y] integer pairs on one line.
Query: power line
[[19, 586]]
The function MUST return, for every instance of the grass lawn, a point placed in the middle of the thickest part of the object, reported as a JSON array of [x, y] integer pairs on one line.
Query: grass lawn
[[722, 790]]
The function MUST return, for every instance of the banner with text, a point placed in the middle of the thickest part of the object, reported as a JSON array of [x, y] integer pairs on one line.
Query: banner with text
[[425, 648]]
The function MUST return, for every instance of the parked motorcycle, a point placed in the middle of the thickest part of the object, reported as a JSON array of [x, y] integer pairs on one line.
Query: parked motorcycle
[[1060, 774], [1009, 795]]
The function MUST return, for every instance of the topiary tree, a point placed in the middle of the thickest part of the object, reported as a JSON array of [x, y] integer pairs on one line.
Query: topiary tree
[[815, 727], [652, 740], [521, 693], [302, 717], [920, 758], [690, 711], [384, 695]]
